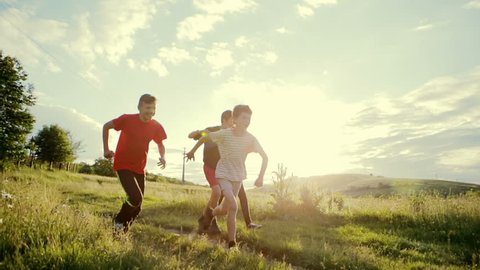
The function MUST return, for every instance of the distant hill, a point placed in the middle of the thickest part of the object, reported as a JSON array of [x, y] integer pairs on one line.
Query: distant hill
[[359, 184]]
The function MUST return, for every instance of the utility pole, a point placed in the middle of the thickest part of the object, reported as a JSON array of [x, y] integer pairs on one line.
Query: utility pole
[[183, 170]]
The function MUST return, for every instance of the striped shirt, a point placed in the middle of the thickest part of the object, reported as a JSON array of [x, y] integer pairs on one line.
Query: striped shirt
[[233, 153]]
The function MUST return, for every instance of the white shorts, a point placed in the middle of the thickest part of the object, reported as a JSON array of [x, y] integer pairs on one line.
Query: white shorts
[[227, 185]]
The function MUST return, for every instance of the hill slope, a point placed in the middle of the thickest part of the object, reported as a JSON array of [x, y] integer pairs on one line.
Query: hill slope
[[359, 184]]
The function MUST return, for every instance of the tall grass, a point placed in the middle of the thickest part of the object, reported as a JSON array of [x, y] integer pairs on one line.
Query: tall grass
[[42, 226], [59, 220]]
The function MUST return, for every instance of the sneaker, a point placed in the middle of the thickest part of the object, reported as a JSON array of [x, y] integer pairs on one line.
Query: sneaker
[[118, 228], [214, 229], [208, 217], [254, 226], [201, 226], [232, 244]]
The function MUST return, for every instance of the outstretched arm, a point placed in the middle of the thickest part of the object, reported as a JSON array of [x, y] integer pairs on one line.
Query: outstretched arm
[[191, 154], [107, 153], [195, 134], [259, 181], [198, 134]]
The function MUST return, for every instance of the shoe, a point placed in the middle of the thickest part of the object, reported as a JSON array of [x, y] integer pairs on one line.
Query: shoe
[[214, 229], [201, 226], [232, 244], [208, 217], [118, 228], [126, 226], [254, 226]]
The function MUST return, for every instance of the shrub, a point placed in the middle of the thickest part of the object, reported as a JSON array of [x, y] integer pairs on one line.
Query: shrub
[[281, 193]]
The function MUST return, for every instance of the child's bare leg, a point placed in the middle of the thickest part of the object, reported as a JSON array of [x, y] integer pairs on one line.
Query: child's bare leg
[[215, 196], [229, 206], [221, 209], [231, 214]]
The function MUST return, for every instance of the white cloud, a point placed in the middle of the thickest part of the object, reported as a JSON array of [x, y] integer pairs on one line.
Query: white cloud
[[131, 63], [156, 65], [242, 55], [91, 75], [109, 31], [166, 55], [174, 55], [30, 39], [318, 3], [219, 57], [85, 40], [268, 57], [254, 52], [282, 30], [305, 11], [474, 4], [307, 8], [433, 126], [461, 159], [241, 41], [224, 6], [192, 28], [424, 27], [213, 12]]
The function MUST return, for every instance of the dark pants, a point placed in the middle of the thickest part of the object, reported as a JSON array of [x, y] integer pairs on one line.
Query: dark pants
[[242, 196], [134, 185]]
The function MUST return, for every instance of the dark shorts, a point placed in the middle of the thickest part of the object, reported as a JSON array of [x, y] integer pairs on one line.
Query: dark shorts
[[210, 175]]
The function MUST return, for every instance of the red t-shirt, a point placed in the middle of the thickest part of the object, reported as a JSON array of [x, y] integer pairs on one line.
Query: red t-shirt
[[135, 136]]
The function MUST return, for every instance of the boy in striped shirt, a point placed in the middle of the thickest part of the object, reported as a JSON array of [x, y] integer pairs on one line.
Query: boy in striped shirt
[[211, 156], [234, 144]]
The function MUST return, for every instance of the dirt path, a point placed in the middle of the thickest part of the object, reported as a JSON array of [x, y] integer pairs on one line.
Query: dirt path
[[191, 235], [216, 239]]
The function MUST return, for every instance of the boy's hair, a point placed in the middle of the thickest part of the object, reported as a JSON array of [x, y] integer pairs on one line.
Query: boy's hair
[[239, 109], [226, 115], [147, 98]]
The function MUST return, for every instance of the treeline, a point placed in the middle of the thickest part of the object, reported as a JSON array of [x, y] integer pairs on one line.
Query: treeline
[[101, 166], [52, 145]]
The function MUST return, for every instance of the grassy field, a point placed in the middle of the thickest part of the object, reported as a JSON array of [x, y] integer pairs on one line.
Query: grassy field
[[57, 220]]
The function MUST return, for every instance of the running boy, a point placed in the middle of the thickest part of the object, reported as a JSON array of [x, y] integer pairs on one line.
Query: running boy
[[210, 160], [234, 144], [137, 130]]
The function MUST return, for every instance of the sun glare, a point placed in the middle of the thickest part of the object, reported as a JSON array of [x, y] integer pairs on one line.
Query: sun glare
[[301, 128]]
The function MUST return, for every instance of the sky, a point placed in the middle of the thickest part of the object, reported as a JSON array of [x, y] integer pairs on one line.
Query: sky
[[376, 87]]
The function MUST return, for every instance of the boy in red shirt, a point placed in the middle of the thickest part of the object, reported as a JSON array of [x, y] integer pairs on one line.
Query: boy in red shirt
[[137, 130]]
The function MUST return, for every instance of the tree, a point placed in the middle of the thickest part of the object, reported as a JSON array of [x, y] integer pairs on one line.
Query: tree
[[32, 150], [85, 168], [54, 145], [103, 166], [16, 122]]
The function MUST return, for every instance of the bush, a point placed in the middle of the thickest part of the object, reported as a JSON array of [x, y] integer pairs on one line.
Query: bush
[[86, 169], [281, 194], [336, 201], [310, 198], [104, 167]]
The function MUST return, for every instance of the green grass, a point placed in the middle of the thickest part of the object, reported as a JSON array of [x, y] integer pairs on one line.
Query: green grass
[[60, 220]]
